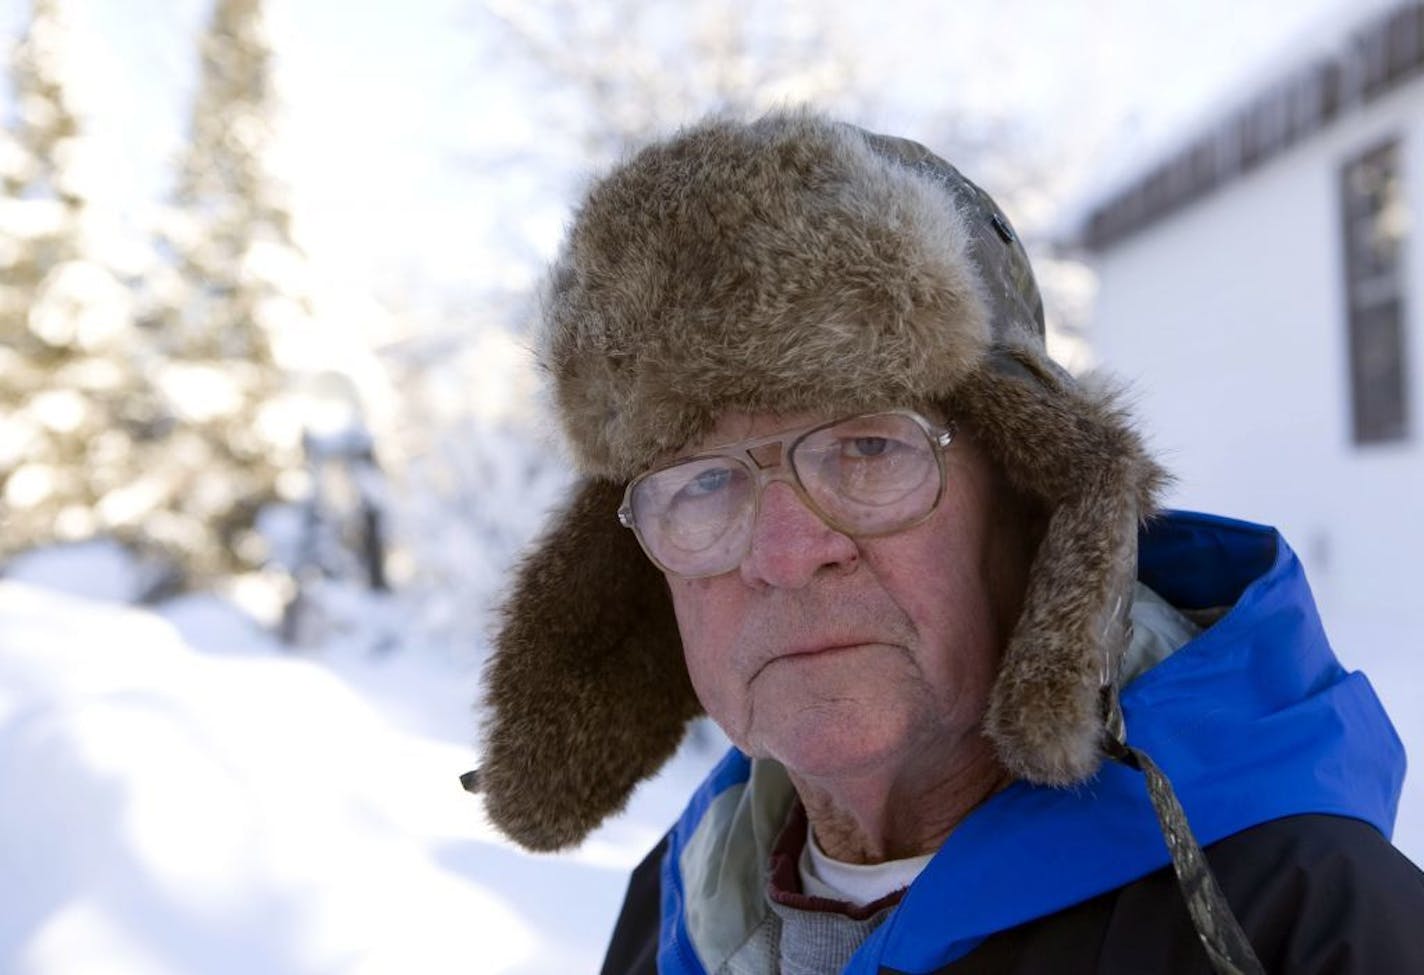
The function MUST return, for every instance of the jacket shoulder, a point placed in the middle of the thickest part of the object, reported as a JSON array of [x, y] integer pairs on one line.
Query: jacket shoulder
[[1314, 893], [1320, 893]]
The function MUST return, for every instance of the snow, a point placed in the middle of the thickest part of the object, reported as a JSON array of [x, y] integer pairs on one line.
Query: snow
[[99, 569], [179, 795]]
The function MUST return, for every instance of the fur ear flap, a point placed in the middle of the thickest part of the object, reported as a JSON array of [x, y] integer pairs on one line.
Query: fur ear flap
[[587, 690], [1045, 713], [1074, 449]]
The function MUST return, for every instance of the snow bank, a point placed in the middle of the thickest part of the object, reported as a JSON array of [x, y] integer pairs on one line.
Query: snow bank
[[99, 569], [165, 810]]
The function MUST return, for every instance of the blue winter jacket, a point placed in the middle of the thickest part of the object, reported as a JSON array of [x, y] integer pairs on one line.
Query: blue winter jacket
[[1253, 720]]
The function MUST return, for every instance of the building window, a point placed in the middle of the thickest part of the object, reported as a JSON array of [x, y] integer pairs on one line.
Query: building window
[[1376, 228]]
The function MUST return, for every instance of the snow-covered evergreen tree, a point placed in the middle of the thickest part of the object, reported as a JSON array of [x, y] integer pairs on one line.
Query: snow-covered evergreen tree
[[73, 410], [228, 289]]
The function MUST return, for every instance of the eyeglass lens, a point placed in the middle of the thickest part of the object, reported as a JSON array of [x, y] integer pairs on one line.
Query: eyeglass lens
[[866, 475]]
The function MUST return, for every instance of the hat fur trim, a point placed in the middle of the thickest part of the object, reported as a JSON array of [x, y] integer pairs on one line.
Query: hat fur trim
[[1072, 447], [587, 693]]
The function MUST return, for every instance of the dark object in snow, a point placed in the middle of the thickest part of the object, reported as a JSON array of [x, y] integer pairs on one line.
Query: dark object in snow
[[342, 534]]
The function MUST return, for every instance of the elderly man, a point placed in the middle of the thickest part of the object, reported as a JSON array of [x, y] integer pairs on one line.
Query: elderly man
[[908, 565]]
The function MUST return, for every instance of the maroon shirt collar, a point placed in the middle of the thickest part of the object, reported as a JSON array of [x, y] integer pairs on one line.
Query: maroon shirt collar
[[784, 886]]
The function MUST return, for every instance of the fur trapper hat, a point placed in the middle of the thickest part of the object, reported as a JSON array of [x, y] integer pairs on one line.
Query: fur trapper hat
[[787, 265]]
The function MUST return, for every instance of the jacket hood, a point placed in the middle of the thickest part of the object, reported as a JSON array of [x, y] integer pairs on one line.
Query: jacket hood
[[1254, 719]]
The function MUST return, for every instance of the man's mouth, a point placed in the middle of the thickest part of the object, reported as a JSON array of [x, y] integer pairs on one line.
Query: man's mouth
[[818, 649]]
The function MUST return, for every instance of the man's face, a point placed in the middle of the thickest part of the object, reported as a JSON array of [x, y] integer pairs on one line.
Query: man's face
[[840, 656]]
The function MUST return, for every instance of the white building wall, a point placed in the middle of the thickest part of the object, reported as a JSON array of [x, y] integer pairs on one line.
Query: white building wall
[[1229, 320]]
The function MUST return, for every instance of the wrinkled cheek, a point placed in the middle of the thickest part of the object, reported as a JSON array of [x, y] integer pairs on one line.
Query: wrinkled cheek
[[708, 642], [716, 687]]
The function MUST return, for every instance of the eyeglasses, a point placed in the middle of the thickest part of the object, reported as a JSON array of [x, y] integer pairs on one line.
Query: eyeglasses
[[867, 475]]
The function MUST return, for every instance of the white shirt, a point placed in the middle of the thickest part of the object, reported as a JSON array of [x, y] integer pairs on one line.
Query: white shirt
[[858, 883]]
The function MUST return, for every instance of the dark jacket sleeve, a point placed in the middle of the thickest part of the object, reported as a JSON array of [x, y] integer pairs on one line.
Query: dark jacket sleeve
[[1314, 894], [634, 948], [1325, 894]]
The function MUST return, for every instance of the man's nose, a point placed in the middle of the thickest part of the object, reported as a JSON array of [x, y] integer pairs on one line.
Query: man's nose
[[790, 544]]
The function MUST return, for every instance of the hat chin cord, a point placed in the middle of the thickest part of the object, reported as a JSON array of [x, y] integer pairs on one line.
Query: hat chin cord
[[1221, 935]]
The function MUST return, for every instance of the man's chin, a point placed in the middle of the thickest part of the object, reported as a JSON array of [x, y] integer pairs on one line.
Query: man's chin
[[840, 742]]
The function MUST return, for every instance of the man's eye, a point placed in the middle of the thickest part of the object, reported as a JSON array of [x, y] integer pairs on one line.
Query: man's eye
[[866, 448], [707, 482]]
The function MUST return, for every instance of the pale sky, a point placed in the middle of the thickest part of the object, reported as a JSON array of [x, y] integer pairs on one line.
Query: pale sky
[[384, 105]]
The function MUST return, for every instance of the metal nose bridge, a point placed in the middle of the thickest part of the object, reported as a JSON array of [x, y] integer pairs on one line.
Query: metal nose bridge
[[770, 462]]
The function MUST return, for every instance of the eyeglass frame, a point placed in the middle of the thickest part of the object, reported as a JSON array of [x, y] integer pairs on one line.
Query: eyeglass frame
[[939, 435]]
